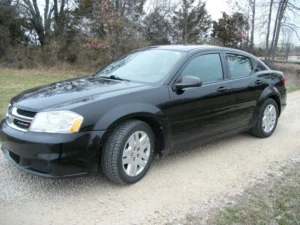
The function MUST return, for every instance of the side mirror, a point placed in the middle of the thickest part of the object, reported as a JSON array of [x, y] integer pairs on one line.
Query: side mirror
[[187, 82]]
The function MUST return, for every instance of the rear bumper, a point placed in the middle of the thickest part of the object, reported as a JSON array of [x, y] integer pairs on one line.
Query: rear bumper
[[51, 155], [283, 100]]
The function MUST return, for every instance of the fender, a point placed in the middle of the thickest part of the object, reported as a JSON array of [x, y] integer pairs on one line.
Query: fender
[[129, 110], [270, 91], [141, 111]]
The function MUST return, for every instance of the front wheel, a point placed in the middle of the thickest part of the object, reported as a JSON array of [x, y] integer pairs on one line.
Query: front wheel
[[267, 119], [128, 152]]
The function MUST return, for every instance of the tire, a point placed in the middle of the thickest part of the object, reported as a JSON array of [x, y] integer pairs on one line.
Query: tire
[[260, 129], [124, 158]]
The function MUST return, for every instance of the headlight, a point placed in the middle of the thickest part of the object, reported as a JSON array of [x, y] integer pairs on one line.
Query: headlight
[[56, 122]]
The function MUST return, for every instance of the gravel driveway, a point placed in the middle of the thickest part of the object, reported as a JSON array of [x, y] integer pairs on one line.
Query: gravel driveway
[[183, 182]]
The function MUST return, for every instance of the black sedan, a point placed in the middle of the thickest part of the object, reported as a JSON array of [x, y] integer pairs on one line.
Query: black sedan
[[148, 102]]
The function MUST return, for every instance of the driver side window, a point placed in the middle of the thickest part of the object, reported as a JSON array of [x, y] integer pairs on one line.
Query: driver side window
[[207, 67]]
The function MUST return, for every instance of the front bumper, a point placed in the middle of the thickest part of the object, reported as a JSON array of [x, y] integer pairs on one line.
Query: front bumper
[[51, 155]]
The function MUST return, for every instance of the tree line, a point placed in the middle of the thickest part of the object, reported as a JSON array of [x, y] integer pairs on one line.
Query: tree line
[[94, 32]]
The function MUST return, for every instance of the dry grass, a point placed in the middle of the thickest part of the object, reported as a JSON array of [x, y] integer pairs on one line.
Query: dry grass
[[288, 66], [292, 73], [275, 203]]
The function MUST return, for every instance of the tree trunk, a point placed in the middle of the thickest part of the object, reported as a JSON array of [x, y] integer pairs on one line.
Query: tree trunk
[[36, 20], [281, 11], [252, 26], [185, 32], [274, 33], [268, 32], [59, 17]]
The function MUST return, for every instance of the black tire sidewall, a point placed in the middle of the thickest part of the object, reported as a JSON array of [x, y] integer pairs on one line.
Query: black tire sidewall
[[138, 127], [263, 107]]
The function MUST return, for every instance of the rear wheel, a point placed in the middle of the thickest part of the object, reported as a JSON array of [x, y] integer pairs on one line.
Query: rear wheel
[[128, 152], [267, 119]]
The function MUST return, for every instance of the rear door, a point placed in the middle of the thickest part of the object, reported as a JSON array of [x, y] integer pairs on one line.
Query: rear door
[[200, 112], [245, 88]]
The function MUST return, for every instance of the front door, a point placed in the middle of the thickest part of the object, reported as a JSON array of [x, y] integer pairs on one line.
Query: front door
[[200, 112]]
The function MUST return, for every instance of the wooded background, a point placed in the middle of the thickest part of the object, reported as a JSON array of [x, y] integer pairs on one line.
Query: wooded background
[[93, 32]]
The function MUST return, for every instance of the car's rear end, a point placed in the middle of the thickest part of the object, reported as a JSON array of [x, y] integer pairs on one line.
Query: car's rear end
[[282, 90]]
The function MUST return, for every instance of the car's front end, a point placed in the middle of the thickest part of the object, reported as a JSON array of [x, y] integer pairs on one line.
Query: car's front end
[[50, 130], [44, 153]]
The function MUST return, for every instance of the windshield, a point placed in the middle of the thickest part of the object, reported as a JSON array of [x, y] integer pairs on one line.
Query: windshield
[[147, 66]]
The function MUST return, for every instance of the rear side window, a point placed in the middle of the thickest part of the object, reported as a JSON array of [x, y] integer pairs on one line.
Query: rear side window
[[207, 67], [260, 67], [239, 66]]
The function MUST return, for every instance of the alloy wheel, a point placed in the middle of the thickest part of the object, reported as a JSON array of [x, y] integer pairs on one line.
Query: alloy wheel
[[269, 118], [136, 153]]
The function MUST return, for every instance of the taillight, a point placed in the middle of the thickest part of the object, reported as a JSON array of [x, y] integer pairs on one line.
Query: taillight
[[284, 80]]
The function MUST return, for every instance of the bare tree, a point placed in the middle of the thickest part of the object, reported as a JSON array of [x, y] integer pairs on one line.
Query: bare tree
[[54, 11], [277, 28], [35, 20], [269, 26], [252, 4], [248, 8], [287, 42]]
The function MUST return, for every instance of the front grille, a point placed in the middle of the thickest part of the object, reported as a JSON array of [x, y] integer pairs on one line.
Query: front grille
[[40, 166], [20, 119], [21, 124], [26, 113]]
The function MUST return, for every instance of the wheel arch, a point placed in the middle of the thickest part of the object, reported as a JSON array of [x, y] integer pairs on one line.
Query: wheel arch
[[277, 100], [151, 115], [269, 92]]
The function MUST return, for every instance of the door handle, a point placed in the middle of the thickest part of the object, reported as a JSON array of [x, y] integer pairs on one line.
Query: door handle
[[222, 89], [258, 82]]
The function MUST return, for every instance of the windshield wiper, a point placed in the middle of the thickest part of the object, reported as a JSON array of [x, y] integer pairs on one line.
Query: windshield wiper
[[114, 77]]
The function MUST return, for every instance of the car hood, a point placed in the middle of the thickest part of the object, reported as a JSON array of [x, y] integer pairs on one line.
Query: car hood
[[63, 92]]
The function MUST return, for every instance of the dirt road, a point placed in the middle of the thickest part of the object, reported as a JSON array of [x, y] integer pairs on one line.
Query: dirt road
[[184, 182]]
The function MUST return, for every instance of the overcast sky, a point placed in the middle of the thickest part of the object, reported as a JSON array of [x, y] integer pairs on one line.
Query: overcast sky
[[216, 7]]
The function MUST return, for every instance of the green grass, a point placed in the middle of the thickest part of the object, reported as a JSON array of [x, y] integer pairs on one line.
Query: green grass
[[13, 81], [276, 203]]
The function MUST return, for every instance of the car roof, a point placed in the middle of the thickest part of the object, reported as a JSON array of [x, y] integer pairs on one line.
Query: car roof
[[187, 48], [199, 48], [184, 48]]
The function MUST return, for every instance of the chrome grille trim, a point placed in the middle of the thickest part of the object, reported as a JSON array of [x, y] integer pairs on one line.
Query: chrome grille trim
[[12, 115], [15, 114], [16, 127], [26, 113]]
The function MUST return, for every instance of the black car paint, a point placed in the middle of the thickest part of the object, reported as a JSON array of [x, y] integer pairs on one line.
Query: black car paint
[[177, 117]]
